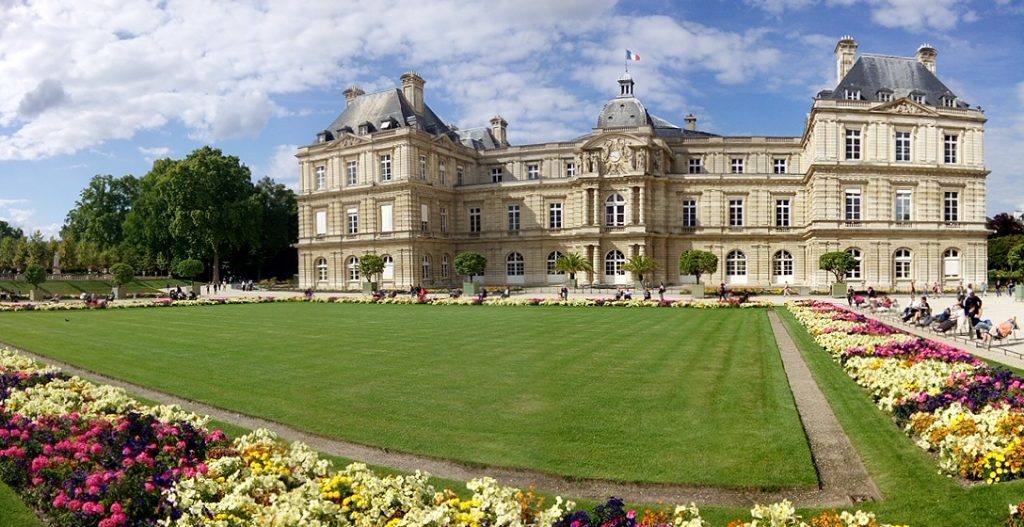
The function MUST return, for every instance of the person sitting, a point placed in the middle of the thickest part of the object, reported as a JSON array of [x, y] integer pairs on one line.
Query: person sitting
[[506, 293], [618, 294], [628, 295], [1000, 331], [647, 294]]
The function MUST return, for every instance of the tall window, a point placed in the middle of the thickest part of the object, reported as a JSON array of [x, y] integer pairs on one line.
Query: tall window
[[387, 219], [951, 206], [735, 264], [615, 211], [353, 172], [321, 177], [353, 269], [389, 268], [853, 144], [474, 219], [442, 171], [513, 217], [737, 165], [613, 262], [497, 173], [353, 221], [446, 266], [951, 263], [570, 169], [735, 212], [779, 165], [903, 198], [695, 165], [460, 175], [515, 265], [853, 204], [553, 261], [555, 215], [782, 212], [854, 273], [444, 219], [902, 261], [425, 267], [902, 146], [385, 167], [321, 269], [949, 148], [321, 222], [533, 171], [782, 266], [423, 166], [689, 212], [424, 217]]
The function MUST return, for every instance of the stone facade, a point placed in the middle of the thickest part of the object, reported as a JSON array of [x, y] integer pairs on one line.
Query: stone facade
[[892, 172]]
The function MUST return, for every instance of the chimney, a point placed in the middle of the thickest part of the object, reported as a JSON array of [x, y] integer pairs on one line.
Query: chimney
[[351, 93], [498, 130], [691, 122], [926, 55], [846, 55], [412, 88]]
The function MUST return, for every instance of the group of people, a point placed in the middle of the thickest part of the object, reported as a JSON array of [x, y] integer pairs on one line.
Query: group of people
[[963, 316], [1009, 286], [178, 294]]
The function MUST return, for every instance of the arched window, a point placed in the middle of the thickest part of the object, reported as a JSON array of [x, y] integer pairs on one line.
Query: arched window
[[353, 269], [902, 261], [951, 263], [782, 266], [615, 211], [389, 268], [735, 264], [446, 266], [515, 265], [854, 273], [425, 267], [613, 262], [321, 269], [552, 261]]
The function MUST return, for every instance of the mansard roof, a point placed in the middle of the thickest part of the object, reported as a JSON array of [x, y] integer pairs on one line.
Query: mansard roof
[[479, 138], [901, 75], [388, 106]]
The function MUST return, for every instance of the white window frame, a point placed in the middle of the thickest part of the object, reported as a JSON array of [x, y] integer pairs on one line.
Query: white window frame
[[424, 217], [385, 167], [853, 205], [353, 220], [460, 175], [736, 165], [445, 267], [736, 212], [389, 267], [690, 213], [902, 264], [553, 257], [515, 264], [695, 165], [780, 165], [735, 265], [533, 171], [950, 144], [425, 267], [387, 217], [497, 174], [903, 207], [514, 216], [853, 144], [951, 263], [321, 269], [783, 266], [855, 273], [353, 269], [444, 219], [783, 212], [613, 262], [615, 211], [570, 169], [321, 177], [903, 146], [442, 171], [555, 210], [475, 219], [423, 166], [950, 206], [320, 222]]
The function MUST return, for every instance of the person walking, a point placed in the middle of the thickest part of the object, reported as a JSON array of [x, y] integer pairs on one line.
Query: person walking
[[661, 291]]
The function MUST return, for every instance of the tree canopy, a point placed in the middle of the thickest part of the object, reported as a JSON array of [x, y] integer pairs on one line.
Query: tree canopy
[[1004, 224], [371, 265], [123, 273], [101, 209], [573, 263], [640, 265], [470, 263], [35, 274], [697, 262], [838, 263]]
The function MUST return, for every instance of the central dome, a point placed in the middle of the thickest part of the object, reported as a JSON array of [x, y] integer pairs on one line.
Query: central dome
[[624, 110]]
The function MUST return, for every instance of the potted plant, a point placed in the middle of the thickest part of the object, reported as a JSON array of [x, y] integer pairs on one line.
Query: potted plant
[[838, 263], [697, 262], [640, 265], [370, 265], [573, 263], [190, 268], [122, 274], [470, 264], [34, 275]]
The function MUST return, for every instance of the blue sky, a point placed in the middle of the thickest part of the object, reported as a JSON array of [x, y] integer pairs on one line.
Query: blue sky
[[106, 87]]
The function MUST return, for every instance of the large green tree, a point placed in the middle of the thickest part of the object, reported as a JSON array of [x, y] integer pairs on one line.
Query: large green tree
[[101, 209], [838, 263], [640, 265], [9, 231], [697, 262], [273, 253], [573, 263]]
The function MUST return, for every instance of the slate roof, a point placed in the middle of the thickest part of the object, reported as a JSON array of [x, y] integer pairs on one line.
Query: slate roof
[[901, 75], [389, 105], [477, 138]]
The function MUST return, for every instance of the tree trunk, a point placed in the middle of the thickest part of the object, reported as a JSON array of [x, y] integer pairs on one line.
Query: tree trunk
[[216, 268]]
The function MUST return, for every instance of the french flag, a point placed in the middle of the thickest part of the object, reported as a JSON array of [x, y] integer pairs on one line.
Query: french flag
[[632, 56]]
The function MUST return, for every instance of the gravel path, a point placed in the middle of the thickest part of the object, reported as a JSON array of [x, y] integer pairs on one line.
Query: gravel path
[[843, 479]]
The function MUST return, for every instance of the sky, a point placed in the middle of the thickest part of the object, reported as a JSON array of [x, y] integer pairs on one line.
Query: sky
[[108, 86]]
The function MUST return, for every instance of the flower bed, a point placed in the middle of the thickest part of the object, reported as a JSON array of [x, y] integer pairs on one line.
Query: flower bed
[[954, 405], [87, 455]]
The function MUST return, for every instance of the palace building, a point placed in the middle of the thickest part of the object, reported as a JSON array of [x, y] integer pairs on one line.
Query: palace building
[[890, 167]]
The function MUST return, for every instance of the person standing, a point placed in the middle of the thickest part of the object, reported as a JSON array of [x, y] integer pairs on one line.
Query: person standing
[[972, 309], [661, 291]]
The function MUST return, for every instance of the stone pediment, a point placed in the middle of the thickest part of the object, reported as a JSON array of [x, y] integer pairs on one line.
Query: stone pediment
[[904, 106], [348, 140], [615, 155]]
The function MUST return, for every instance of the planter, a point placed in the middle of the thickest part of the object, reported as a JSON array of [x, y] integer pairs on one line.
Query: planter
[[469, 288], [839, 290], [32, 295], [803, 290], [697, 291], [197, 289], [369, 287]]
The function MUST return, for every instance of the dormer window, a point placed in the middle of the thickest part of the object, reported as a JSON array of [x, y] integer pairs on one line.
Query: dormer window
[[884, 95], [949, 101], [365, 128], [385, 124], [851, 95], [917, 97]]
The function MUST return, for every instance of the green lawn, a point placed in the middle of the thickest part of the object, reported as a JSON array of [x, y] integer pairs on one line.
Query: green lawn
[[915, 493], [73, 288], [666, 395]]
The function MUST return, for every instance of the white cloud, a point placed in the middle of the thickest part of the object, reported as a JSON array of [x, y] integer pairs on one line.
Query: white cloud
[[282, 167], [153, 153], [1004, 156], [778, 6], [916, 15]]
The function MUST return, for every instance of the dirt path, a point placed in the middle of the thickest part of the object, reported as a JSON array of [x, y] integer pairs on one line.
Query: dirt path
[[843, 478]]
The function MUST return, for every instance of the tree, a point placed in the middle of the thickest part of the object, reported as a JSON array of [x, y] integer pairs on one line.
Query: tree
[[161, 263], [35, 274], [470, 263], [189, 268], [1015, 257], [371, 265], [1004, 224], [640, 265], [573, 263], [9, 231], [999, 249], [838, 263], [38, 250], [279, 229], [122, 273], [101, 209], [697, 263]]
